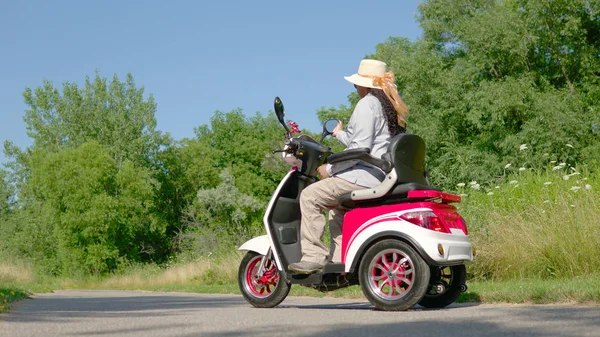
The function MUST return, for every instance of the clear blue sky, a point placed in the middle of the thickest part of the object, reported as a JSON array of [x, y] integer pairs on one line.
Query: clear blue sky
[[196, 57]]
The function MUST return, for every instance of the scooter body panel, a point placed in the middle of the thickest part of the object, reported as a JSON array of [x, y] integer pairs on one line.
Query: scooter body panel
[[363, 226]]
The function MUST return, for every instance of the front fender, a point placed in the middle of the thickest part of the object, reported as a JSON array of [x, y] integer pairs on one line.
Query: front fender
[[259, 244]]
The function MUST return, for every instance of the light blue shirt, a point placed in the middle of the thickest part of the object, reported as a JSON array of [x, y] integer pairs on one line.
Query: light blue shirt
[[367, 128]]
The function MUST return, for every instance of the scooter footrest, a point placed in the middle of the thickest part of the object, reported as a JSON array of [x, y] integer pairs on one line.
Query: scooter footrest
[[333, 268], [315, 278]]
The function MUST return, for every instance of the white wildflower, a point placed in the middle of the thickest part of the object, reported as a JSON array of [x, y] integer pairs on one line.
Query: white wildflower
[[460, 184], [523, 147], [569, 145], [548, 183], [572, 205], [521, 169], [552, 161], [574, 174], [556, 168], [476, 186], [490, 193], [588, 186], [572, 169], [575, 188], [497, 187], [543, 212], [566, 177], [546, 201], [517, 185], [473, 182], [562, 164], [507, 165], [512, 182]]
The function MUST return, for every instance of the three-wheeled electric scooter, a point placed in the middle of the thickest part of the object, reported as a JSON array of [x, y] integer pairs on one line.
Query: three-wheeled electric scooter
[[402, 241]]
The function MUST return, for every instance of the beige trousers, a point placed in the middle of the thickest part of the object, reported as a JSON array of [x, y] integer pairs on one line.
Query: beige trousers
[[316, 198]]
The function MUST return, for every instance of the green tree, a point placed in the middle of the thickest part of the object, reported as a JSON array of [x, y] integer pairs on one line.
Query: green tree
[[222, 216], [115, 114], [184, 167], [102, 214], [6, 194], [88, 186], [488, 76], [342, 113], [244, 146]]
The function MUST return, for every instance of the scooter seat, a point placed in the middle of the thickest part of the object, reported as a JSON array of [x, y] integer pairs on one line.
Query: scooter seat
[[407, 154], [397, 195]]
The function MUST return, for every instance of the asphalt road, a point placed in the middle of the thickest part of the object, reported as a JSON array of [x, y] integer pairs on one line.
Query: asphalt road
[[137, 313]]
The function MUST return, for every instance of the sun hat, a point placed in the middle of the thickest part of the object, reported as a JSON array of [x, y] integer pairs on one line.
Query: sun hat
[[368, 70], [372, 74]]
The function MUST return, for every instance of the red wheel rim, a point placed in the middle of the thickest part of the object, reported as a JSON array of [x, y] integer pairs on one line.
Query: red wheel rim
[[391, 274], [264, 285]]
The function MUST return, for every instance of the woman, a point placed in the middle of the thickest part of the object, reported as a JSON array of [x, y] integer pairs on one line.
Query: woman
[[379, 115]]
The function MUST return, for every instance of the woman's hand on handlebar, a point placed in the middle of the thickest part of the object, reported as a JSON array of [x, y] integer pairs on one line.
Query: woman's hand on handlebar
[[338, 128], [322, 171]]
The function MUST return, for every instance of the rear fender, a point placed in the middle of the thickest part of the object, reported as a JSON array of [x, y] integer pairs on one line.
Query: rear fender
[[352, 264]]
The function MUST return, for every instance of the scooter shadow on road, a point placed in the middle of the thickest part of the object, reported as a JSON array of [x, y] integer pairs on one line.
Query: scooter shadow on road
[[425, 328], [369, 306], [489, 321]]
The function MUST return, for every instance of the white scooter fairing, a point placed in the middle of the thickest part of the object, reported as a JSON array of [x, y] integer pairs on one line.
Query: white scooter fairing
[[262, 244]]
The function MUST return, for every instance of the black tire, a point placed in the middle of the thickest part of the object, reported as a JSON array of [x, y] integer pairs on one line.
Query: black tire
[[452, 278], [261, 293], [400, 259]]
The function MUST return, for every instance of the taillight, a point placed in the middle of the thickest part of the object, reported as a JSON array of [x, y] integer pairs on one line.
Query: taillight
[[425, 219], [463, 225]]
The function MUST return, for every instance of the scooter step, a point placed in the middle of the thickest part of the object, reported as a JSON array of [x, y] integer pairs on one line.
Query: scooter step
[[333, 268], [315, 278]]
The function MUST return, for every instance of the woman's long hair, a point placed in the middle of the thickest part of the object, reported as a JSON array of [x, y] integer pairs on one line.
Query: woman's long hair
[[390, 114]]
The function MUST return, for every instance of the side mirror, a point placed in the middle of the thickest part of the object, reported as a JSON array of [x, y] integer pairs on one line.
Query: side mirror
[[280, 112], [328, 127]]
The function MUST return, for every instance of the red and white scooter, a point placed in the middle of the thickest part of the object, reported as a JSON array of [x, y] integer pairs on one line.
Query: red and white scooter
[[402, 241]]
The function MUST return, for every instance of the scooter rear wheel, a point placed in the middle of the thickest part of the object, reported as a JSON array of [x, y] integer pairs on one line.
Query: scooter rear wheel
[[452, 279], [393, 276], [262, 291]]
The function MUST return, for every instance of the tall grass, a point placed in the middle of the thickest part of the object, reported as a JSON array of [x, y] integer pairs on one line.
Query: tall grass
[[216, 269], [16, 271], [16, 280], [539, 225]]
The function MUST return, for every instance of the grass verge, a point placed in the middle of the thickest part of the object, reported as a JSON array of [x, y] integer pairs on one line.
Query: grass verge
[[10, 294], [195, 277], [17, 282], [583, 289]]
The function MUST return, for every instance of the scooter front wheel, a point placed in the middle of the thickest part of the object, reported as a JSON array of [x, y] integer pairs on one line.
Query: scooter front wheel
[[393, 276], [264, 290]]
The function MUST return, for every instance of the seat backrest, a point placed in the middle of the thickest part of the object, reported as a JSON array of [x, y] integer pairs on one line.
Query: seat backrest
[[407, 153]]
